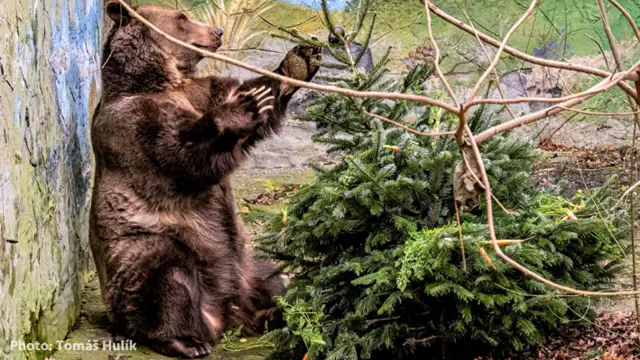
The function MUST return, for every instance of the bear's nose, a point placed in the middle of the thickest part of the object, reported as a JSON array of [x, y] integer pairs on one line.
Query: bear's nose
[[219, 32]]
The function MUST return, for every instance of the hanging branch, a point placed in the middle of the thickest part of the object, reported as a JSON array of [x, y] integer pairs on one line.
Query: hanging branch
[[288, 80]]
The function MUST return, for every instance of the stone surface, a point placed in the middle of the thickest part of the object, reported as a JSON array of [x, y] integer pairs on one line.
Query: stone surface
[[49, 67]]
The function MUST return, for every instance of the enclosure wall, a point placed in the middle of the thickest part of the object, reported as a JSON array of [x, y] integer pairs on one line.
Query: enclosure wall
[[49, 79]]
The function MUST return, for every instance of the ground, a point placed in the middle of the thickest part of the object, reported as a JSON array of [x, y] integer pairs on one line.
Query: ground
[[93, 326]]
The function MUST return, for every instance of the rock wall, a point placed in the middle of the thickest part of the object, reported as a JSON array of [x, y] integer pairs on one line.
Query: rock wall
[[49, 72]]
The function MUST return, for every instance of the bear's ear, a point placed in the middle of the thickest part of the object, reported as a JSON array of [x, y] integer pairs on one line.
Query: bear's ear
[[117, 12]]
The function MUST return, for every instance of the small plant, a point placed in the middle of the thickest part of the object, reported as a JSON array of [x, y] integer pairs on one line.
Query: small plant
[[233, 341], [305, 322]]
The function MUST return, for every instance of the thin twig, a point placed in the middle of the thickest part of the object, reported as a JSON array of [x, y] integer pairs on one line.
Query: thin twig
[[495, 71], [612, 41], [604, 55], [464, 257], [519, 100], [509, 125], [598, 112], [631, 189], [529, 58], [627, 16], [436, 61], [632, 214], [413, 131], [496, 58]]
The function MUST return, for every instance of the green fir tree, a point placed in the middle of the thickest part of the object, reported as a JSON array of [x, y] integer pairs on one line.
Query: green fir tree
[[374, 248]]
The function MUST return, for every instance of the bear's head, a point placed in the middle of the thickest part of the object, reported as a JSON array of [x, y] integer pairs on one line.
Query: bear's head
[[138, 51]]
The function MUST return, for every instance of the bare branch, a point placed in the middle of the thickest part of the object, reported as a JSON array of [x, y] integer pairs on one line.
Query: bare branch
[[604, 55], [526, 57], [598, 112], [288, 80], [464, 257], [413, 131], [496, 59], [436, 61], [507, 259], [628, 16], [602, 86], [612, 40], [495, 72]]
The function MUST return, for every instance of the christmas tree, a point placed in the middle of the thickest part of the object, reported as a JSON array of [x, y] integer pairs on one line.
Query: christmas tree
[[377, 256]]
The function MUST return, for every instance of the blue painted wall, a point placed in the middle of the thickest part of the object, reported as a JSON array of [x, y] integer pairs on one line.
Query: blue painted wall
[[49, 81]]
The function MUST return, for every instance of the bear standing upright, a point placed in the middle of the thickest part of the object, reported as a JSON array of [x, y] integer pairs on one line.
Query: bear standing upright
[[175, 266]]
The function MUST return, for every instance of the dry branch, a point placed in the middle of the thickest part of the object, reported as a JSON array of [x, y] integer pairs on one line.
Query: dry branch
[[575, 100], [503, 44], [507, 259], [436, 61], [528, 58], [627, 16], [413, 131], [290, 81]]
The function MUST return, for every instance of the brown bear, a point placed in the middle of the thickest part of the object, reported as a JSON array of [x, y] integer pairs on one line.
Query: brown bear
[[175, 266]]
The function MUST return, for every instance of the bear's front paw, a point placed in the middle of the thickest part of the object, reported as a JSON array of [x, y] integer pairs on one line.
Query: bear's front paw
[[254, 102], [301, 63], [247, 110]]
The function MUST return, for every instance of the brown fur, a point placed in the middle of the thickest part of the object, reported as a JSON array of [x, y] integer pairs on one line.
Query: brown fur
[[175, 266]]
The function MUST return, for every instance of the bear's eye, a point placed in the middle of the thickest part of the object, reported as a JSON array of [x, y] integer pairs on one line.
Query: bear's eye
[[183, 17]]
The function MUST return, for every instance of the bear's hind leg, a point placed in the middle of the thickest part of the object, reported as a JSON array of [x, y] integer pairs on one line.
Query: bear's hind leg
[[158, 300], [268, 283]]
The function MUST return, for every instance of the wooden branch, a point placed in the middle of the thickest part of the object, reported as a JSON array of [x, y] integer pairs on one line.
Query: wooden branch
[[507, 259], [436, 61], [413, 131], [528, 58], [288, 80], [602, 86], [503, 44], [464, 257], [495, 71], [612, 40], [627, 16], [604, 55], [598, 112]]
